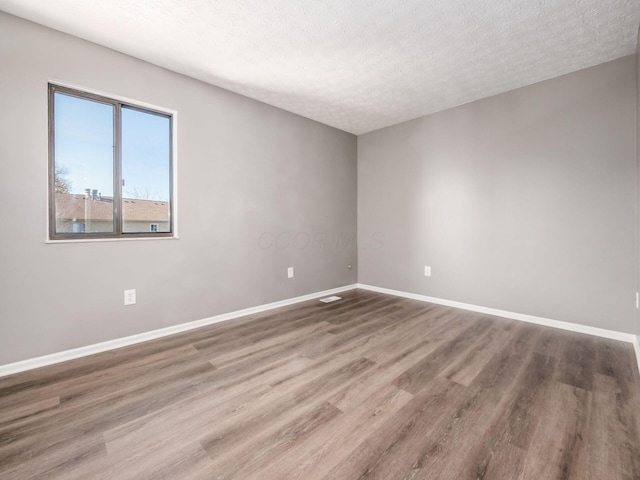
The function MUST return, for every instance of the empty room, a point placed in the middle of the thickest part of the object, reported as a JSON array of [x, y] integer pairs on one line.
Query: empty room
[[272, 240]]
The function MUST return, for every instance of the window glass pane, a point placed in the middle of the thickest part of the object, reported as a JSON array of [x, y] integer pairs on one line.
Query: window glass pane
[[146, 171], [83, 170]]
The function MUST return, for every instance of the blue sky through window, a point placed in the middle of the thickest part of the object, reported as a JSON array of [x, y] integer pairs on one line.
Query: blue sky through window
[[84, 137], [84, 143], [145, 155]]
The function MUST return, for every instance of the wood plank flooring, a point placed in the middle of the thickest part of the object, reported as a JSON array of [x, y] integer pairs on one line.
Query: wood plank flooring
[[369, 387]]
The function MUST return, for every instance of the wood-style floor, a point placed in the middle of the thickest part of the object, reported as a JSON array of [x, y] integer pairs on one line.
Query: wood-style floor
[[370, 387]]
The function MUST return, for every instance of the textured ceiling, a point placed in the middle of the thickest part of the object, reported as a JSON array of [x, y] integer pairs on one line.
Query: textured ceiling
[[357, 65]]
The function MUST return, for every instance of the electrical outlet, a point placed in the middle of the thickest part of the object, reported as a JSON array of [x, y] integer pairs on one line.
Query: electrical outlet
[[427, 271], [130, 297], [637, 300], [290, 272]]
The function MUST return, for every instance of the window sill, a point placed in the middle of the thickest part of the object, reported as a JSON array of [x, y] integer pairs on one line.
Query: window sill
[[124, 239]]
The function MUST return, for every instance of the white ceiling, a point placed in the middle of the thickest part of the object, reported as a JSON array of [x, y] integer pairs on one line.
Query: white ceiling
[[357, 65]]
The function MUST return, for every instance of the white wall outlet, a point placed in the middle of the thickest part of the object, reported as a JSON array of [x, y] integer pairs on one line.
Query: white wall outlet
[[637, 300], [427, 271], [290, 272], [130, 297]]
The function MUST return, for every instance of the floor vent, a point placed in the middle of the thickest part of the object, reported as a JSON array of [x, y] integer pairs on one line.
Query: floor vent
[[330, 299]]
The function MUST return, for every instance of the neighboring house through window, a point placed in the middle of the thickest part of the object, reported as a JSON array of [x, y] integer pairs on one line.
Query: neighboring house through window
[[110, 167]]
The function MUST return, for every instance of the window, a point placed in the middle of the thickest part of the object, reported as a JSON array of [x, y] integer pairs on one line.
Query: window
[[110, 168]]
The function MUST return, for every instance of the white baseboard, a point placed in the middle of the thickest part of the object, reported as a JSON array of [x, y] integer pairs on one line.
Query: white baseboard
[[64, 356], [636, 347], [59, 357], [573, 327]]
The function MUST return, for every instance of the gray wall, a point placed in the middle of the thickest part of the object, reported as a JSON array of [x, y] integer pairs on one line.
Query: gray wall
[[244, 168], [523, 201]]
